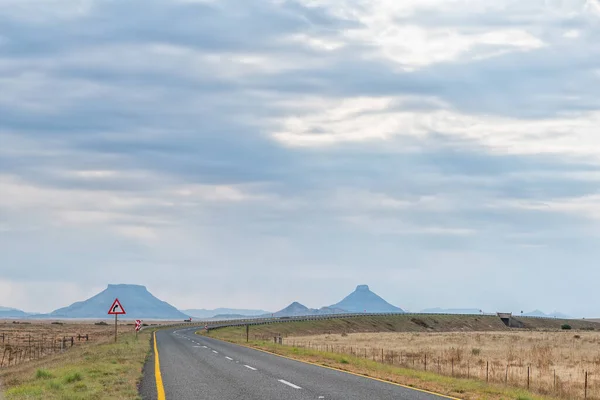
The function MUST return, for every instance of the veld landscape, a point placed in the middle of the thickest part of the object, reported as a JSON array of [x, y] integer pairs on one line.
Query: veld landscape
[[464, 356], [548, 357]]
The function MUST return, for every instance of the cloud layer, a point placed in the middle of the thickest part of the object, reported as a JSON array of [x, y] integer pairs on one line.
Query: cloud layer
[[246, 152]]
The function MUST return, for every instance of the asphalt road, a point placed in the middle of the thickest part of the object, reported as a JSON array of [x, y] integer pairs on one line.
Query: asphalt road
[[196, 367]]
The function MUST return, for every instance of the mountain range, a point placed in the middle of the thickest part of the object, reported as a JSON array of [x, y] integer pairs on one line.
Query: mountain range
[[139, 303], [362, 300], [220, 312], [540, 314], [6, 312]]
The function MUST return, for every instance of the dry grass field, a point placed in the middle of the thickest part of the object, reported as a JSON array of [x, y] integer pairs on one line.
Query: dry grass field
[[557, 360], [98, 370], [22, 341], [466, 356]]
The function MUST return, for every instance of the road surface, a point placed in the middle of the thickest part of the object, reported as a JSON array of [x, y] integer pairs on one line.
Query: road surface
[[197, 367]]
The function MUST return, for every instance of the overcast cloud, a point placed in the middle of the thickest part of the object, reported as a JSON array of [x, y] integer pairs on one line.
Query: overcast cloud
[[251, 153]]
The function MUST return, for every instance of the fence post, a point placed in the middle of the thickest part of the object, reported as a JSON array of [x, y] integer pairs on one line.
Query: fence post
[[425, 361], [487, 371], [528, 368], [453, 367], [554, 385], [506, 377], [586, 385], [382, 356]]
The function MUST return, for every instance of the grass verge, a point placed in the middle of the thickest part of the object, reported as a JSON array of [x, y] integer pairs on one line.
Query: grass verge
[[467, 389], [97, 371]]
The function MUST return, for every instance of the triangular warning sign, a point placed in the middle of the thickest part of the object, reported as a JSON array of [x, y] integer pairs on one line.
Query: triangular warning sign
[[116, 308]]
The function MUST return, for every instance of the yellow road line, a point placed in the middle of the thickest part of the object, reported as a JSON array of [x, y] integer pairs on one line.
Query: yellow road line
[[348, 372], [160, 389]]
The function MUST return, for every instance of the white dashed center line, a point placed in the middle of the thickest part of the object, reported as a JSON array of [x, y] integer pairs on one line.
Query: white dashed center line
[[249, 367], [289, 384], [216, 352], [229, 358]]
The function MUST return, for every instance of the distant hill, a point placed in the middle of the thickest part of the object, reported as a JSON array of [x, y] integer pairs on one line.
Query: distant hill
[[203, 313], [463, 311], [6, 312], [136, 300], [230, 316], [293, 310], [363, 300], [541, 314], [299, 310]]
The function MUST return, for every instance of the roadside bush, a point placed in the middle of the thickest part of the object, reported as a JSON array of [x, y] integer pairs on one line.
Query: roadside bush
[[565, 327]]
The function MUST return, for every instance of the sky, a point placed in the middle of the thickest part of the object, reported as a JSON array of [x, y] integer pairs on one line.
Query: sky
[[251, 153]]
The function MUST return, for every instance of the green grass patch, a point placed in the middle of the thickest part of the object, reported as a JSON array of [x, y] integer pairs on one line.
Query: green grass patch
[[95, 371], [43, 374], [73, 377]]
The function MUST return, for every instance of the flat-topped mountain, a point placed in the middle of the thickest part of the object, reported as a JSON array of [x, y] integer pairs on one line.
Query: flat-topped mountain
[[363, 300], [137, 301]]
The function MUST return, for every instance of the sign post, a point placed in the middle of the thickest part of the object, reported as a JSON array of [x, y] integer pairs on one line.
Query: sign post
[[116, 309], [138, 326]]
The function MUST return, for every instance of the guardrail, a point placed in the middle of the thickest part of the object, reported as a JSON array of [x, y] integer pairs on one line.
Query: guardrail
[[272, 320]]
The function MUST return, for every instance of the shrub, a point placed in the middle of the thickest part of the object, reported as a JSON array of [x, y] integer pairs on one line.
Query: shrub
[[101, 323], [74, 377], [565, 327], [43, 374], [576, 337], [475, 351]]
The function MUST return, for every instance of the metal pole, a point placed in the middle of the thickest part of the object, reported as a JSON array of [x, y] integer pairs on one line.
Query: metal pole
[[116, 315]]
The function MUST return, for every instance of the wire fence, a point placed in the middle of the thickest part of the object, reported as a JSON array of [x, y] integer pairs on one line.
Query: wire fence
[[16, 349], [542, 379]]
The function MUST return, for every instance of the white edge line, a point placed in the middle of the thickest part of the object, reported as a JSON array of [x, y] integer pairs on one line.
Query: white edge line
[[289, 384]]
